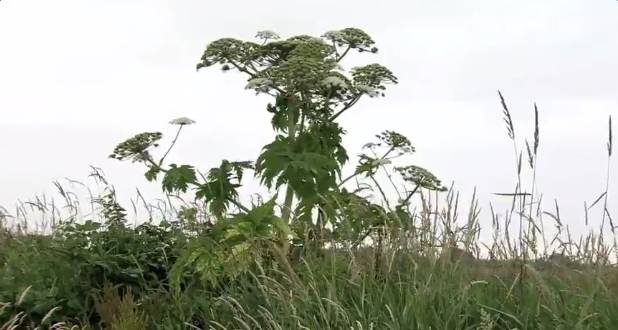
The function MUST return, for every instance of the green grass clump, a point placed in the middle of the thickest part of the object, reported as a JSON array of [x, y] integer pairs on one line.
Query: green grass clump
[[116, 281]]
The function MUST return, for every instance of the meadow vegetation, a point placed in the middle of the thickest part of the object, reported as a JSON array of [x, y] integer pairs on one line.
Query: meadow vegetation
[[385, 246]]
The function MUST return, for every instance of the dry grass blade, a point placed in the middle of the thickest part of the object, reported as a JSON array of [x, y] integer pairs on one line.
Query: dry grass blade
[[610, 138], [611, 222], [556, 218], [530, 155], [507, 117], [536, 129], [597, 200], [586, 213], [512, 194]]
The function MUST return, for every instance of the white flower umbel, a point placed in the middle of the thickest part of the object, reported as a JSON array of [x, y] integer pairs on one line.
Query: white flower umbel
[[372, 92], [182, 121], [266, 35], [333, 81]]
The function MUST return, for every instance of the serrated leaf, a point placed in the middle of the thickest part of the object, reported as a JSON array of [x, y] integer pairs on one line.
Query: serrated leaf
[[152, 173], [178, 178]]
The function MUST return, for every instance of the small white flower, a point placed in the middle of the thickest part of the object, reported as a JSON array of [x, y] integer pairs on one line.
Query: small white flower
[[333, 81], [267, 34], [372, 92], [380, 162], [182, 121], [259, 83]]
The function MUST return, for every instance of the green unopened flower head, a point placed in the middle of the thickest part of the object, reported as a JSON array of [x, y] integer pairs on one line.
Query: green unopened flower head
[[373, 75], [421, 177], [227, 51], [352, 37], [396, 141], [266, 35], [334, 35], [136, 147]]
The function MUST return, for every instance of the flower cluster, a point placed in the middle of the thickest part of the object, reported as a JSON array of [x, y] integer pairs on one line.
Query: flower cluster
[[352, 37], [136, 147], [396, 141], [334, 81], [266, 35], [421, 177], [228, 51], [373, 76]]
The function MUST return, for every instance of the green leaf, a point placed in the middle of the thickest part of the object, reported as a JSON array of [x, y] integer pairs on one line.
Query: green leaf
[[307, 172], [221, 185], [260, 223], [177, 178], [152, 173]]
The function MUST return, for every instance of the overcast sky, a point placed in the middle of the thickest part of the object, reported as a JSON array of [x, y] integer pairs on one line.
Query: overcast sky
[[79, 76]]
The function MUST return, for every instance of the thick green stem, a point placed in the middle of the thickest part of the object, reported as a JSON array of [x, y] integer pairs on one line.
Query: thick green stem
[[285, 215], [289, 194]]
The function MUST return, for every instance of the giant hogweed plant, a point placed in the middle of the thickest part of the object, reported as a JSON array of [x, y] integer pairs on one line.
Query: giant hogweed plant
[[310, 91]]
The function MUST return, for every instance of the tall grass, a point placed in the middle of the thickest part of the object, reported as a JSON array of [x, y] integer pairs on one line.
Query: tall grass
[[61, 268]]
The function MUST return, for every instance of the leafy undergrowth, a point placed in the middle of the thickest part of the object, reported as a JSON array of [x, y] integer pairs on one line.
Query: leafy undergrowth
[[119, 278]]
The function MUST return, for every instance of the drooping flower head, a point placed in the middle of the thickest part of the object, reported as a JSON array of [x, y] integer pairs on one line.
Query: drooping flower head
[[421, 177], [136, 147]]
